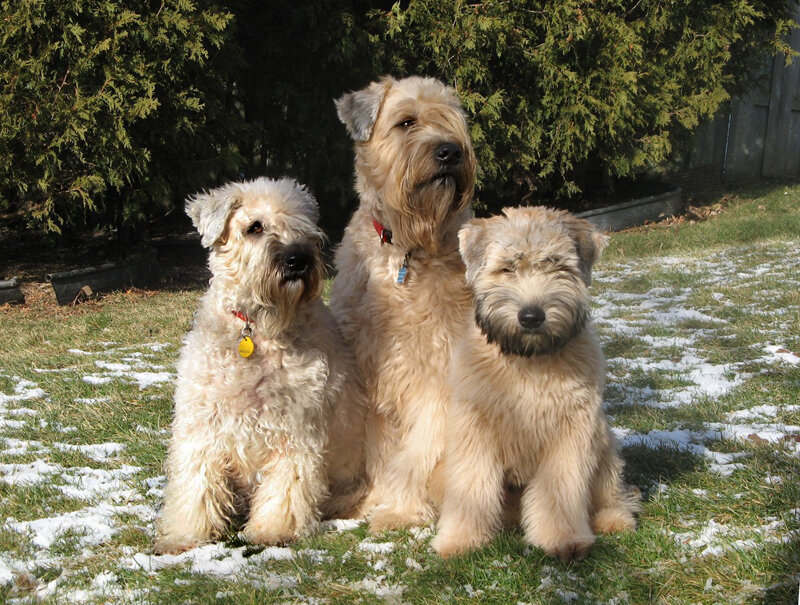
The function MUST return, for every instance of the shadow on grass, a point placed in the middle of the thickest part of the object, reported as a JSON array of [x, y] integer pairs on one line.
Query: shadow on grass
[[782, 501], [646, 466]]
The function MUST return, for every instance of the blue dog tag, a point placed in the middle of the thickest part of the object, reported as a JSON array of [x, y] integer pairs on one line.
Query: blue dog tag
[[401, 274]]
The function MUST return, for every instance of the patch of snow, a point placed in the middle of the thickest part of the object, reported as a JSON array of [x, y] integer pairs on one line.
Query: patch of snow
[[760, 433], [91, 400], [389, 593], [783, 354], [12, 424], [93, 525], [381, 548], [99, 452], [32, 473], [96, 379], [19, 447], [715, 539], [114, 367], [213, 559], [24, 390], [146, 379], [23, 412], [761, 412], [691, 441], [340, 525]]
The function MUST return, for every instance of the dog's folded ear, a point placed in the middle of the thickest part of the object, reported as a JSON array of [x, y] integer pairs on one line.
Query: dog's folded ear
[[210, 212], [359, 110], [472, 246], [589, 243]]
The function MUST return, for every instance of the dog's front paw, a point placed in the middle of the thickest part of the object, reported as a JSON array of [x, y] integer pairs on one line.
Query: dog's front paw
[[613, 519], [260, 532], [449, 545], [173, 545], [385, 519], [572, 549]]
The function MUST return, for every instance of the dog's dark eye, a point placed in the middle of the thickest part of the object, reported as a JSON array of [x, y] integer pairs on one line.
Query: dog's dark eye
[[407, 123], [256, 227], [507, 269]]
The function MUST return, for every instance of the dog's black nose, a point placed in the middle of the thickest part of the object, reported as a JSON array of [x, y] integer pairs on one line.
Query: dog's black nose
[[531, 318], [448, 154], [296, 262]]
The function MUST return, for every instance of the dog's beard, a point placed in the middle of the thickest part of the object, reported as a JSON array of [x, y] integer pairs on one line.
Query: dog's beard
[[565, 321], [428, 207], [277, 300], [421, 197]]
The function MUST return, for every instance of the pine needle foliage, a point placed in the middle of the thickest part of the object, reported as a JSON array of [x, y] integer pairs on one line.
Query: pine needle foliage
[[107, 108], [564, 95], [113, 111]]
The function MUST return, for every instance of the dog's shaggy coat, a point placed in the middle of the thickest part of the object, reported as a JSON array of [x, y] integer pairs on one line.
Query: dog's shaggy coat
[[527, 380], [415, 172], [263, 438]]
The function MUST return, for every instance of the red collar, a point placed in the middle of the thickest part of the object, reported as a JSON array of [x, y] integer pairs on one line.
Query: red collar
[[242, 316], [383, 232]]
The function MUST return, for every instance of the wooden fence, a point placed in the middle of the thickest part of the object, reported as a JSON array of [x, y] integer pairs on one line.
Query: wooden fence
[[760, 134]]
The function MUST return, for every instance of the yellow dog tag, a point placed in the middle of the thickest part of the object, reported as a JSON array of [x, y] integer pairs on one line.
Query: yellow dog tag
[[246, 346]]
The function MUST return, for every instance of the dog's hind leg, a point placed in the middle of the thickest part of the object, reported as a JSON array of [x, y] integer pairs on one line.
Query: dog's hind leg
[[345, 458], [402, 482]]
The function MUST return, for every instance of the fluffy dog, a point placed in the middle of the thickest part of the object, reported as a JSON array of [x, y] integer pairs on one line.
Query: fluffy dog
[[527, 381], [269, 406], [400, 283]]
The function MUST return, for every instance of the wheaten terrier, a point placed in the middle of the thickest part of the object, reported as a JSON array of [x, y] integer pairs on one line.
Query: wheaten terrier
[[269, 406], [400, 286], [527, 380]]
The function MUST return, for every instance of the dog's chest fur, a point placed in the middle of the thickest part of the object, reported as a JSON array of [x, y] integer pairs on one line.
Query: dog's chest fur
[[535, 398], [415, 319], [277, 394]]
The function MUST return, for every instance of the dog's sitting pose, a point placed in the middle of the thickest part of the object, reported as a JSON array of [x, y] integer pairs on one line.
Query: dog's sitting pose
[[269, 407], [527, 381], [400, 284]]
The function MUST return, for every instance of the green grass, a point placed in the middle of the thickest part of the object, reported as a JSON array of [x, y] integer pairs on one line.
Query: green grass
[[751, 215], [682, 310]]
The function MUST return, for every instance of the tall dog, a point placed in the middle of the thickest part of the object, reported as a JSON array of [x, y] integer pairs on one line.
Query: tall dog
[[269, 405], [527, 381], [400, 284]]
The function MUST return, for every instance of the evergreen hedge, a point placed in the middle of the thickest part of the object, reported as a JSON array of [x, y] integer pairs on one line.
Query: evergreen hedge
[[111, 111], [110, 108], [564, 95]]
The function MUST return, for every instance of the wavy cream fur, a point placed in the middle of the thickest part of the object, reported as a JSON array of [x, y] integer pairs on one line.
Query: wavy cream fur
[[530, 417], [263, 439], [402, 333]]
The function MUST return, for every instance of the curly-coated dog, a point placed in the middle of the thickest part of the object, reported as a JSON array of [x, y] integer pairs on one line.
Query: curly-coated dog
[[527, 380], [269, 405], [400, 283]]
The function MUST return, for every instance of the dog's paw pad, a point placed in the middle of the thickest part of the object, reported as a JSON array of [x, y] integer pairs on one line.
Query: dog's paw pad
[[267, 537], [448, 547], [571, 550], [611, 520], [169, 546], [386, 520]]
